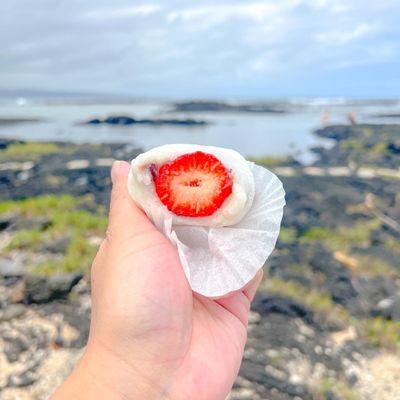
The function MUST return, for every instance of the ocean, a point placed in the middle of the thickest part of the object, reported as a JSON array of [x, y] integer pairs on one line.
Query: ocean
[[252, 134]]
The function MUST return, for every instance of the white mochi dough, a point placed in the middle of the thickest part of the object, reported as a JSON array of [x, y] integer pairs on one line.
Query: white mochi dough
[[141, 186], [223, 252]]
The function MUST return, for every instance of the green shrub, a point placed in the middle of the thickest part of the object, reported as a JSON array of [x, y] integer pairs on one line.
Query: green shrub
[[80, 255], [287, 235], [320, 302], [381, 332], [317, 233], [271, 161], [44, 205], [28, 151], [341, 389], [75, 219], [342, 237], [26, 239]]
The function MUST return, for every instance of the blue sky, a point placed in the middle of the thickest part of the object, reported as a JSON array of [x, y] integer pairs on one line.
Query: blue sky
[[260, 49]]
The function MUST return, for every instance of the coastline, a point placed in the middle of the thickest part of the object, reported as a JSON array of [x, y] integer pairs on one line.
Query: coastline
[[329, 301]]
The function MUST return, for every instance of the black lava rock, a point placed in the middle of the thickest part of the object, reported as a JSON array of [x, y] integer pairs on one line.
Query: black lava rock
[[41, 289], [285, 306], [25, 379]]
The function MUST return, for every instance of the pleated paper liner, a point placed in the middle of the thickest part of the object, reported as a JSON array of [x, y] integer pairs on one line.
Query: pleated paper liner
[[218, 261]]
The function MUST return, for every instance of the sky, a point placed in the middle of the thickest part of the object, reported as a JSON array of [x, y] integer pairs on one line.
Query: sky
[[208, 49]]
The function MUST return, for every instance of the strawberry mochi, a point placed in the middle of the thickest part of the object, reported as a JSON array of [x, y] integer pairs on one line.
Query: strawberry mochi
[[193, 184]]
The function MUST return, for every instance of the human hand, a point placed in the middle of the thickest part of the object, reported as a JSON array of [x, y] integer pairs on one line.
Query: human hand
[[151, 337]]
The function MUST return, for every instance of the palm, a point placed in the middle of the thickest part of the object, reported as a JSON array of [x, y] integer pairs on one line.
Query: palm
[[208, 357], [214, 354]]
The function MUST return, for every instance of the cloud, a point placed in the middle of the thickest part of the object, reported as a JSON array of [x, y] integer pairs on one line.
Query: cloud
[[175, 48], [338, 37], [121, 12], [266, 62], [221, 13]]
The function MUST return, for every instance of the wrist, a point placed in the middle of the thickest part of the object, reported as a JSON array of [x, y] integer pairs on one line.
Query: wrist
[[100, 374]]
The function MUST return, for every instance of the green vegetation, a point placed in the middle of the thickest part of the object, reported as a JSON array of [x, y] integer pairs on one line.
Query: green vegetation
[[372, 266], [291, 289], [78, 258], [352, 144], [392, 244], [343, 237], [287, 235], [26, 239], [367, 132], [54, 180], [80, 220], [313, 298], [277, 359], [306, 271], [381, 332], [39, 206], [271, 161], [31, 151], [368, 146], [47, 268], [380, 148], [79, 252], [74, 219], [317, 233], [341, 389]]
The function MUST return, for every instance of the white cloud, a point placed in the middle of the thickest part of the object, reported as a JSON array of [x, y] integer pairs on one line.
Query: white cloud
[[340, 37], [131, 11], [321, 4], [383, 53], [221, 13], [267, 62], [172, 47]]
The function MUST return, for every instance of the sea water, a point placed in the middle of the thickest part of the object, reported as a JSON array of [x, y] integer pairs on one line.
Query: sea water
[[252, 134]]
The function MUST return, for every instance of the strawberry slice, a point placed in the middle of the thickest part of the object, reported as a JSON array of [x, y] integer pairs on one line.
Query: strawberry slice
[[193, 185]]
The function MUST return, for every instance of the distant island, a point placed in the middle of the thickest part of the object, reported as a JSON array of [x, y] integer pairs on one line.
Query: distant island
[[126, 120], [13, 121], [397, 115], [219, 106]]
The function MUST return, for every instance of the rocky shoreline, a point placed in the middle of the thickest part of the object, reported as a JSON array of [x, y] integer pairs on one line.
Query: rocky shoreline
[[14, 121], [220, 106], [325, 323], [123, 120]]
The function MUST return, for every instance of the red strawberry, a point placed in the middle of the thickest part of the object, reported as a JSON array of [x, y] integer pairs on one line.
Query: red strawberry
[[193, 185]]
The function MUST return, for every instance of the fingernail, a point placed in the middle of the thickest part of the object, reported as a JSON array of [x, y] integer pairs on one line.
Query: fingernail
[[115, 169]]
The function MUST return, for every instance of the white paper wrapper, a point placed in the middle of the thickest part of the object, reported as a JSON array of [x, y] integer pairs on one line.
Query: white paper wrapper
[[219, 260]]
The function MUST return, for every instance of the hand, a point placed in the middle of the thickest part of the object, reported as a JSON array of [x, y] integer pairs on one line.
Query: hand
[[151, 337]]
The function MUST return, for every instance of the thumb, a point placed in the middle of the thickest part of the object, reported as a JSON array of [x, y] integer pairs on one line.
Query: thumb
[[126, 219]]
